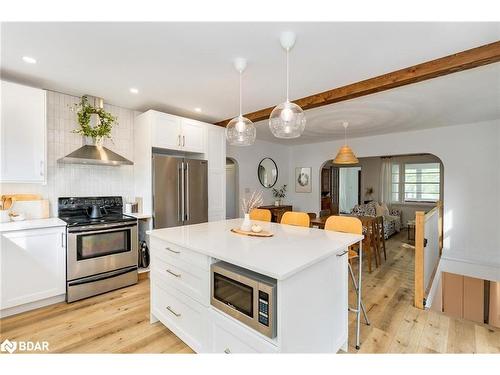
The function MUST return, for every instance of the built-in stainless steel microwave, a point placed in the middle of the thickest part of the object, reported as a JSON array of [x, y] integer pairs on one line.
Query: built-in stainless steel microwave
[[245, 295]]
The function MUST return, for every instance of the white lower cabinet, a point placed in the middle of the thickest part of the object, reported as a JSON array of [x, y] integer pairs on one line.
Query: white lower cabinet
[[229, 337], [33, 266], [180, 299], [185, 317], [189, 280]]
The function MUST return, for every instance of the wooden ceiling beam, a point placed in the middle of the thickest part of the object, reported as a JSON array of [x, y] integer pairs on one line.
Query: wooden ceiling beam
[[472, 58]]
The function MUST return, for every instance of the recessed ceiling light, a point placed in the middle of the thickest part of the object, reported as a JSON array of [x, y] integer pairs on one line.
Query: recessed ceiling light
[[29, 60], [134, 90], [197, 109]]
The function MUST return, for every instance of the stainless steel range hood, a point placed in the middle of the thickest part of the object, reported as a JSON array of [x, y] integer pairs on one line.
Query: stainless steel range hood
[[97, 155]]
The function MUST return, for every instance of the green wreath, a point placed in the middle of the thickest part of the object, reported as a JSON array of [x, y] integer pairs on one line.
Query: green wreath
[[102, 129]]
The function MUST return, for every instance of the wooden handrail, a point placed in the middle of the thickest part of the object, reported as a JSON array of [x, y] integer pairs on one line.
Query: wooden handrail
[[420, 218], [419, 259]]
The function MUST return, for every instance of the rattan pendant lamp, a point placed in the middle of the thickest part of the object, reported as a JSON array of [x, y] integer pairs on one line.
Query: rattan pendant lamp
[[345, 156]]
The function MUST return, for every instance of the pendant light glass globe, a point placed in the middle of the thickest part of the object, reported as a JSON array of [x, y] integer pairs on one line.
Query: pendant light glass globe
[[240, 131], [287, 120]]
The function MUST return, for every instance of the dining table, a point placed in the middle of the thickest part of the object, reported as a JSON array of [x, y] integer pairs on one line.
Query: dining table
[[369, 230]]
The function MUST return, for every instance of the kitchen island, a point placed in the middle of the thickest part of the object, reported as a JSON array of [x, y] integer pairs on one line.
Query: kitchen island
[[309, 267]]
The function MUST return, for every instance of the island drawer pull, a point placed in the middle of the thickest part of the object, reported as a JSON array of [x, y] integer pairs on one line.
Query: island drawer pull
[[173, 273], [173, 312], [173, 251], [342, 253], [227, 351]]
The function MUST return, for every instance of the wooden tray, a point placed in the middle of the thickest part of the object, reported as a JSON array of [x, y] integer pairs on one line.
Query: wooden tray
[[252, 234]]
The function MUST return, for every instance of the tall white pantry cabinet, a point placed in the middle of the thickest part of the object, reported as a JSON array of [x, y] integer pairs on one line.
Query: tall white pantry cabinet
[[182, 137]]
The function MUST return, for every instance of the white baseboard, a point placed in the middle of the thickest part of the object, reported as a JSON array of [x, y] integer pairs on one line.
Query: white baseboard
[[32, 305]]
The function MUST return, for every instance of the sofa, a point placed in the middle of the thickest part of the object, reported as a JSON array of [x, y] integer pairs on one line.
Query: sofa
[[392, 217]]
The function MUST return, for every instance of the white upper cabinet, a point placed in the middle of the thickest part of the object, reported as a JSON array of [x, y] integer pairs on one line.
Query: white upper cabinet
[[177, 133], [193, 136], [23, 134], [166, 130]]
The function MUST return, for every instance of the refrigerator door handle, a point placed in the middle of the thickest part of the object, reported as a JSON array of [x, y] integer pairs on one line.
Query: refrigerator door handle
[[187, 191], [180, 191]]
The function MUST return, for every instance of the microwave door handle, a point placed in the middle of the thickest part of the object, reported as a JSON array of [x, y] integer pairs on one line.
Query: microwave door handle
[[187, 191]]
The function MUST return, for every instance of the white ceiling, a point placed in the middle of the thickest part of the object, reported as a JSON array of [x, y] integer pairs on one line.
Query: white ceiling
[[459, 98], [179, 66]]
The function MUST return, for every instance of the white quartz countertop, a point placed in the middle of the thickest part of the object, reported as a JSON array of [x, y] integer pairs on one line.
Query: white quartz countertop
[[31, 224], [290, 250]]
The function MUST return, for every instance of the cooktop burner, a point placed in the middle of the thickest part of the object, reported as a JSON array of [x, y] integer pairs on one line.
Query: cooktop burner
[[76, 211]]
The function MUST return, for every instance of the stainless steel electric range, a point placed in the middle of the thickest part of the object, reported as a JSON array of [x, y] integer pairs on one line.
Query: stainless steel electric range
[[102, 246]]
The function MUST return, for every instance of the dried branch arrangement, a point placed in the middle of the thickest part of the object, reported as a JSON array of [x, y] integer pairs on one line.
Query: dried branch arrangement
[[254, 201]]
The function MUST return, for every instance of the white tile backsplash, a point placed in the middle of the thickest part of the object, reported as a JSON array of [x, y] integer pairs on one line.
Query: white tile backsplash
[[79, 179]]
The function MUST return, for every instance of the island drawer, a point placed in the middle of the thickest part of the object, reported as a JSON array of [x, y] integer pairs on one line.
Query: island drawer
[[192, 281], [186, 318], [171, 252], [229, 337]]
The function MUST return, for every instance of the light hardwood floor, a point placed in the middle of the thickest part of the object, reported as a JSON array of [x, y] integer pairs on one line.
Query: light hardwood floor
[[118, 322], [398, 327]]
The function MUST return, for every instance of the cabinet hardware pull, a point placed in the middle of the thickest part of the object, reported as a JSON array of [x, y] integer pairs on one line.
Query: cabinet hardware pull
[[227, 351], [183, 141], [41, 167], [173, 312], [179, 140], [173, 251], [62, 240], [342, 253], [173, 273]]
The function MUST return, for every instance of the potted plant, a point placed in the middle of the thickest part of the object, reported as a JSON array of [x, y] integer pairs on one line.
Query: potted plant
[[248, 205], [279, 194], [101, 130]]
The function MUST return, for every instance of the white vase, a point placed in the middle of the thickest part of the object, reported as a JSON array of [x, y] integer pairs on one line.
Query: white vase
[[277, 203], [247, 224]]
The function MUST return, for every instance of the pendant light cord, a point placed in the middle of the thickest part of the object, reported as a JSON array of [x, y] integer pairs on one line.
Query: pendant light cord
[[241, 112], [287, 74]]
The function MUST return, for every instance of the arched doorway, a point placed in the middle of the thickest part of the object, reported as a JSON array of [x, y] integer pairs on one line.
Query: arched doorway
[[232, 189]]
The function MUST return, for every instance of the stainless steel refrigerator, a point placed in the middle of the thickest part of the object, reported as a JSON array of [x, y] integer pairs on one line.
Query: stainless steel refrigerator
[[180, 192]]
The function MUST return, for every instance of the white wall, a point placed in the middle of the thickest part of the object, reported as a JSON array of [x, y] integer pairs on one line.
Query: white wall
[[78, 179], [370, 177], [471, 157], [248, 159]]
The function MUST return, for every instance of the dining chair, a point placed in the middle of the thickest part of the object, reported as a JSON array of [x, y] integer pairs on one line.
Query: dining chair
[[300, 219], [260, 214], [347, 224], [369, 243], [312, 215], [323, 213], [381, 237]]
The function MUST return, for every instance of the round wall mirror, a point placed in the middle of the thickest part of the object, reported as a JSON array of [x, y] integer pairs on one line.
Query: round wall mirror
[[267, 172]]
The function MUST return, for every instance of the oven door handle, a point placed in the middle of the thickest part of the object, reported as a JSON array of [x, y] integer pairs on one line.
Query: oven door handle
[[103, 276], [112, 229]]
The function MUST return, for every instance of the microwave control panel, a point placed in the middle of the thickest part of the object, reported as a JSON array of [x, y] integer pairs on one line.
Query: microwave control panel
[[263, 308]]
